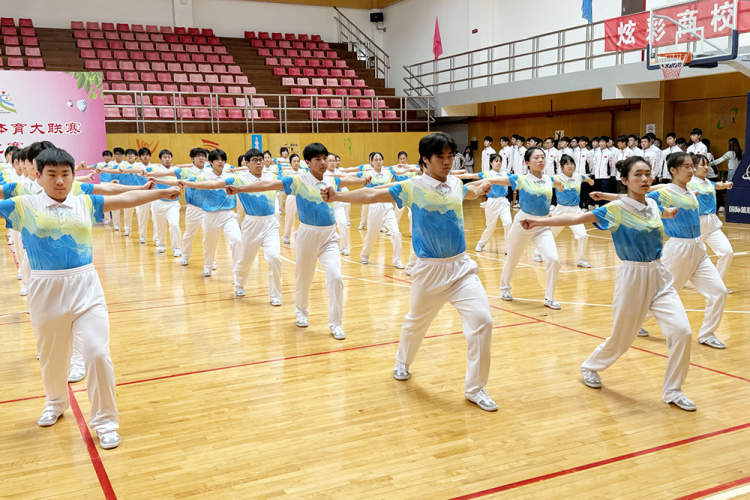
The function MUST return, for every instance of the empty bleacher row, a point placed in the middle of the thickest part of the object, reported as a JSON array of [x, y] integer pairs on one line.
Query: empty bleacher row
[[19, 46]]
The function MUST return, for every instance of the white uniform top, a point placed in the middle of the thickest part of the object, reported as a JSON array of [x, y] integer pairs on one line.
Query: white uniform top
[[506, 153], [551, 161], [519, 166], [581, 157], [633, 152], [697, 148], [486, 152], [664, 154], [603, 164]]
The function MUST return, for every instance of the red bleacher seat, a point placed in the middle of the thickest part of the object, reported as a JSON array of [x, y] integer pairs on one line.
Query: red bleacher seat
[[15, 62], [315, 63], [308, 72], [109, 65], [296, 90], [13, 51], [326, 91], [346, 82], [77, 25], [360, 83], [305, 53], [84, 43], [203, 89], [198, 58], [213, 58], [218, 89], [311, 90], [267, 114], [298, 45], [211, 78], [332, 114], [148, 77], [119, 86], [180, 78], [28, 32], [302, 37], [279, 71], [195, 78], [123, 27], [350, 73], [92, 64], [317, 82], [337, 103], [147, 46], [112, 76], [341, 92], [111, 112], [25, 22], [315, 38], [287, 81], [97, 35], [290, 36], [305, 102], [263, 35], [100, 44], [8, 30], [241, 79], [355, 92], [340, 63], [136, 86], [193, 31], [390, 114], [250, 35], [368, 92], [277, 36], [207, 32], [327, 63], [285, 44], [255, 43], [270, 43], [88, 54], [10, 40], [180, 30], [219, 68], [285, 61], [332, 82], [111, 35], [319, 54]]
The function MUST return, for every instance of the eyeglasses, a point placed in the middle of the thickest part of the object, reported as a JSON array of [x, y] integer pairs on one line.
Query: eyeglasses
[[255, 160]]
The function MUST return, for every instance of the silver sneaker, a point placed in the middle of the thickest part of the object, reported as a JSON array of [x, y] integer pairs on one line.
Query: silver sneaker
[[24, 291], [286, 241], [538, 258], [275, 302], [506, 295], [591, 378], [239, 291], [337, 332], [364, 261], [482, 400], [109, 440], [642, 332], [401, 372], [76, 374], [302, 321], [176, 253], [552, 304], [48, 418], [584, 264], [206, 271], [184, 262], [478, 248], [714, 342], [684, 403], [161, 249], [398, 265]]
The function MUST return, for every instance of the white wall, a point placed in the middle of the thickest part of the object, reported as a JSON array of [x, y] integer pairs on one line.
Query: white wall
[[59, 13]]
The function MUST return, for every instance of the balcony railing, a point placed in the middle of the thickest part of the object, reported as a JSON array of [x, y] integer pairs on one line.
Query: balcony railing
[[143, 109]]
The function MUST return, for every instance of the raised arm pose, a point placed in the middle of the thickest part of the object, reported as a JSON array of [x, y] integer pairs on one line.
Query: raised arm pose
[[443, 273], [65, 294], [642, 285], [316, 237]]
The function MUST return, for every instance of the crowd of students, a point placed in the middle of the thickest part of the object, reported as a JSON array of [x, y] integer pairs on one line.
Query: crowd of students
[[50, 214]]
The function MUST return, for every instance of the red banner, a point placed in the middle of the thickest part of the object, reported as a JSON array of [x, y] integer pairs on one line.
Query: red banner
[[710, 18]]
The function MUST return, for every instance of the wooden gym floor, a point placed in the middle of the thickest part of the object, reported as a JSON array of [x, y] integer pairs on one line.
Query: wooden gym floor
[[225, 398]]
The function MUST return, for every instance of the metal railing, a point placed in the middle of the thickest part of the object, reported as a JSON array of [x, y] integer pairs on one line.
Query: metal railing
[[139, 108], [559, 52], [367, 50]]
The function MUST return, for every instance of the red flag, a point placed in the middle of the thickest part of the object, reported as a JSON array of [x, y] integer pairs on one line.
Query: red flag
[[437, 44]]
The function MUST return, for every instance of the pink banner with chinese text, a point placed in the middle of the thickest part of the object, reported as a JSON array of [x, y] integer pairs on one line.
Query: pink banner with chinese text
[[63, 108]]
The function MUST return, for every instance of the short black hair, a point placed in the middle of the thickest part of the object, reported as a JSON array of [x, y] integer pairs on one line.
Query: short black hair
[[565, 138], [131, 151], [706, 142], [295, 155], [267, 152], [680, 140], [313, 150], [240, 158], [622, 138], [584, 138], [402, 153], [198, 152], [33, 150], [253, 152], [520, 138], [625, 166], [530, 151], [283, 148], [604, 138], [696, 131], [565, 159], [650, 136], [494, 157], [674, 160], [106, 152], [118, 151], [372, 155], [434, 144], [217, 154], [165, 152], [670, 134], [505, 138], [54, 156], [19, 155], [144, 151], [10, 150], [488, 138]]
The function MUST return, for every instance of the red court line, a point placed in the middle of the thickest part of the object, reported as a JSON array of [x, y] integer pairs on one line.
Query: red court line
[[96, 460], [744, 379], [716, 489], [273, 360], [600, 463]]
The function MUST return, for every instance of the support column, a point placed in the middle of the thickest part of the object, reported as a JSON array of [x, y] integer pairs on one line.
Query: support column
[[659, 112]]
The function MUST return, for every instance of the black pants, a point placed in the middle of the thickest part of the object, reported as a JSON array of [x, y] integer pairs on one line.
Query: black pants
[[602, 185]]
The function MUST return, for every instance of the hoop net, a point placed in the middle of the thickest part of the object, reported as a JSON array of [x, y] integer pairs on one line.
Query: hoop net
[[671, 63]]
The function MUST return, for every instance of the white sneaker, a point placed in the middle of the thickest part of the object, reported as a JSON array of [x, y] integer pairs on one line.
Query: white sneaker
[[177, 253], [285, 241], [478, 248], [584, 264], [24, 291], [482, 204], [275, 302], [214, 266], [398, 265], [117, 228], [76, 374], [48, 418], [206, 271], [364, 260], [409, 271], [401, 372], [184, 261], [19, 275], [714, 342], [161, 249], [361, 227], [482, 400], [505, 295], [591, 378], [337, 332], [552, 304], [684, 403], [729, 291], [239, 291], [345, 251], [302, 320], [126, 232], [642, 332], [157, 243], [109, 440], [538, 258]]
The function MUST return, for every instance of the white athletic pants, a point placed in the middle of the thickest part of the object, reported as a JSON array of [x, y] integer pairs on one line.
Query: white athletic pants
[[193, 221], [166, 214], [64, 305], [116, 217], [381, 215], [213, 224], [363, 216], [495, 208], [290, 215], [579, 230], [315, 243], [518, 239], [339, 212], [715, 238], [143, 213], [454, 280], [261, 232], [640, 288], [127, 219], [687, 260]]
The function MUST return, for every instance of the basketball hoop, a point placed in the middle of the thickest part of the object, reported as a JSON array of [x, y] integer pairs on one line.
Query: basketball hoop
[[671, 63]]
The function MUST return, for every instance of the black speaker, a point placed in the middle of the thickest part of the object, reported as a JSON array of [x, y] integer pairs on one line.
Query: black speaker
[[474, 145], [632, 7], [376, 17]]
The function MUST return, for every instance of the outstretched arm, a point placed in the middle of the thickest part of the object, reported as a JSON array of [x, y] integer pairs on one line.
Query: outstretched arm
[[139, 197], [588, 180], [503, 180], [364, 195], [255, 187], [560, 220], [465, 176], [220, 184], [598, 196], [477, 188], [353, 180], [109, 189], [725, 185]]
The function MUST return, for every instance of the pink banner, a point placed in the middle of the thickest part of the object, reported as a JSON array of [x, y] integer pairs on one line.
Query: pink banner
[[63, 108], [711, 18]]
